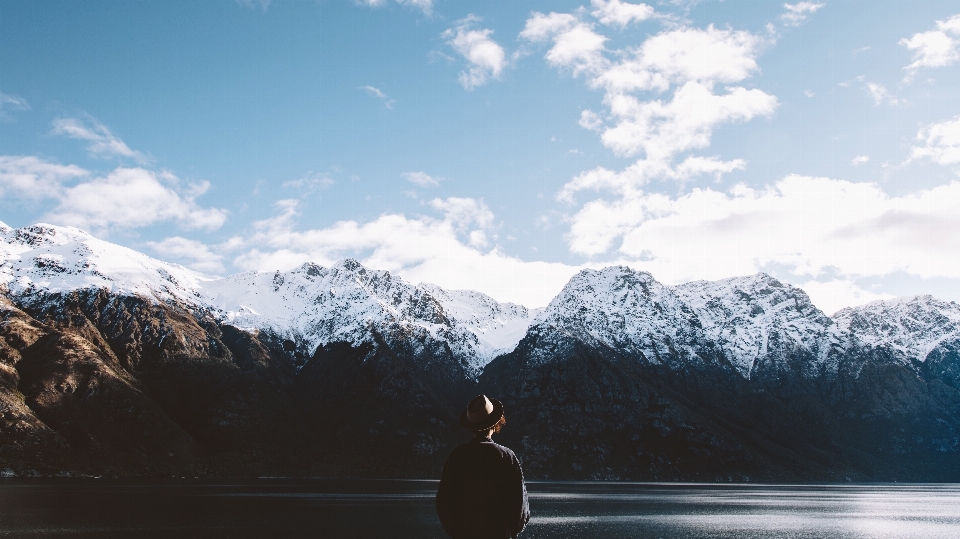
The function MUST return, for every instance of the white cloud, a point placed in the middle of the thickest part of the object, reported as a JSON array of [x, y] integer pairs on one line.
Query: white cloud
[[934, 48], [619, 13], [486, 57], [575, 45], [451, 251], [421, 179], [11, 102], [134, 197], [831, 296], [880, 94], [103, 143], [374, 91], [29, 177], [941, 142], [860, 160], [192, 253], [811, 226], [797, 14], [590, 120], [660, 129]]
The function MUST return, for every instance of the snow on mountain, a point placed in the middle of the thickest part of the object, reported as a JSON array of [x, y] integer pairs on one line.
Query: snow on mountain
[[623, 309], [913, 325], [750, 319], [316, 305], [498, 326], [348, 302], [753, 317], [53, 259]]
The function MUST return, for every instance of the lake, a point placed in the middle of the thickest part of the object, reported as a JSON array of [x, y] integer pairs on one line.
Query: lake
[[404, 509]]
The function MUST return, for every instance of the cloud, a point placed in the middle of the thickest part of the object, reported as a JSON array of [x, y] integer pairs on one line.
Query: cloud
[[486, 57], [813, 227], [102, 142], [134, 197], [421, 179], [880, 94], [452, 251], [11, 102], [831, 296], [575, 45], [31, 178], [253, 4], [797, 14], [692, 61], [311, 182], [941, 142], [661, 129], [934, 48], [196, 255], [423, 5], [126, 197], [630, 180], [387, 102], [619, 13], [860, 160]]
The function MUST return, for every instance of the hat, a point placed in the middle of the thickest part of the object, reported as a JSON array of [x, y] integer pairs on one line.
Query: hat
[[481, 414]]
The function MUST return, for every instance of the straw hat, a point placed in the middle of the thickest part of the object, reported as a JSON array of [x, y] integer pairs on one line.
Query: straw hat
[[481, 414]]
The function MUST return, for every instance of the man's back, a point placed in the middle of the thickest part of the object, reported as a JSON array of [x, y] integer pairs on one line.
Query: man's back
[[482, 493]]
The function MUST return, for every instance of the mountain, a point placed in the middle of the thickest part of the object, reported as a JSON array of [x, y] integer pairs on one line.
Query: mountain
[[115, 363], [738, 378]]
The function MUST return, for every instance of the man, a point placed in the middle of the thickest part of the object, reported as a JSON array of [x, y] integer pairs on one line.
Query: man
[[482, 494]]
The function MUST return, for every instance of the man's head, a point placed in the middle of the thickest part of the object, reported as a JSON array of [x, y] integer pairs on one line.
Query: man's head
[[482, 415]]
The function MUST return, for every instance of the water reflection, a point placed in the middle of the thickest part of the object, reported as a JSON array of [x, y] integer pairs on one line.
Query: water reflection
[[583, 510]]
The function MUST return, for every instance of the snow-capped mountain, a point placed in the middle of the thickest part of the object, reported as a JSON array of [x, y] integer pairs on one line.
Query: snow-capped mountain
[[754, 317], [913, 326], [55, 259], [311, 304], [348, 302], [749, 319], [622, 309]]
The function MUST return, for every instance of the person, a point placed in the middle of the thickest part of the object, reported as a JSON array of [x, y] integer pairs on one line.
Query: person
[[481, 492]]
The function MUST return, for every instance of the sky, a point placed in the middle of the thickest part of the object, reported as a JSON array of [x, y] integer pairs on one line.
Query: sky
[[500, 146]]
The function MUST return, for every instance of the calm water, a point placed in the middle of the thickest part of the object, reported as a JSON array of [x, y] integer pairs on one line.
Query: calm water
[[404, 509]]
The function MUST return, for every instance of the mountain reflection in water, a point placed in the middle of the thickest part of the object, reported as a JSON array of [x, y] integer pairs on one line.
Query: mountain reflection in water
[[404, 509]]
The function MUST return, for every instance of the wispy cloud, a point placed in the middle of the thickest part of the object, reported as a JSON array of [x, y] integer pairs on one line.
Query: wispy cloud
[[860, 160], [797, 14], [421, 179], [375, 92], [486, 58], [310, 182], [103, 143], [191, 253], [10, 103], [426, 6], [880, 94], [254, 4]]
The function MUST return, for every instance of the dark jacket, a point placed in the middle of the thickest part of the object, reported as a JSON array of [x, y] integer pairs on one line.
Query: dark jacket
[[482, 493]]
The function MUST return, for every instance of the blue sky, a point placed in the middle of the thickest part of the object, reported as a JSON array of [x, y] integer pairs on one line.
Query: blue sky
[[493, 145]]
